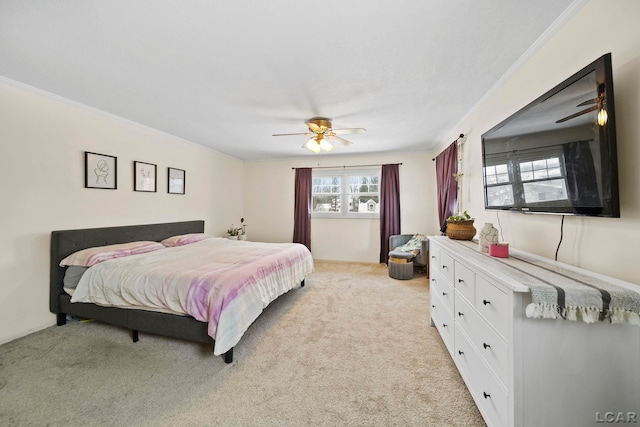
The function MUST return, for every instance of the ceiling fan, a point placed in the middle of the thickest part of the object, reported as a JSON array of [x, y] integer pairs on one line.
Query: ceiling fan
[[599, 104], [321, 133]]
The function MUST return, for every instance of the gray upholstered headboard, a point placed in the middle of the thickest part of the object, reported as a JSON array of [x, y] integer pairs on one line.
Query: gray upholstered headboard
[[66, 242]]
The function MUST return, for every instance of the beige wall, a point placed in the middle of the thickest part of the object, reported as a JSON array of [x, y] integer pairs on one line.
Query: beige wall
[[268, 205], [42, 165], [607, 246]]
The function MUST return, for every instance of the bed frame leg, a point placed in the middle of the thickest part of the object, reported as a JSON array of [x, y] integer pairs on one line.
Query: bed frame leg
[[302, 283], [61, 319], [134, 335], [228, 356]]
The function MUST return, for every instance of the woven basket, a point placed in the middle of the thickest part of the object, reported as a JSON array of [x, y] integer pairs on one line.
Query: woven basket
[[461, 230]]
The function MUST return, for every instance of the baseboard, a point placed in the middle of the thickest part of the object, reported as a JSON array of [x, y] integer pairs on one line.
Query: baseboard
[[13, 337]]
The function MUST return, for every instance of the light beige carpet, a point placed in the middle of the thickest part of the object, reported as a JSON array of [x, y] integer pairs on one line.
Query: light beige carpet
[[353, 347]]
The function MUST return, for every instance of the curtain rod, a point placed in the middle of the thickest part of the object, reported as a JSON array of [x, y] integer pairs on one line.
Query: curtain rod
[[351, 166], [456, 140]]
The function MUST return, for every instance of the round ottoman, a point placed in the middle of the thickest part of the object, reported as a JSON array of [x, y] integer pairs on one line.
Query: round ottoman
[[401, 265]]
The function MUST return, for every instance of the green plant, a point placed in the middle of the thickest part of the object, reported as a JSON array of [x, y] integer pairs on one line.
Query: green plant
[[464, 217], [232, 231]]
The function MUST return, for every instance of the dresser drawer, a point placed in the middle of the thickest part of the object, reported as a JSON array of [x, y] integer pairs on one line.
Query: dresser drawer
[[464, 281], [489, 345], [493, 304], [446, 267], [438, 307], [434, 259], [443, 289], [492, 399], [443, 320]]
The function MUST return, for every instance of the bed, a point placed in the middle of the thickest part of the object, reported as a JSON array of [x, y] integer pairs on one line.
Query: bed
[[201, 324]]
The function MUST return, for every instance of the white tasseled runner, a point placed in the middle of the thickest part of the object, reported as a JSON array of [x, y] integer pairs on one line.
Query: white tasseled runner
[[560, 291]]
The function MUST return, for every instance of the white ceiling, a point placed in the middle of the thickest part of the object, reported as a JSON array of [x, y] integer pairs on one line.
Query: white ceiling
[[229, 74]]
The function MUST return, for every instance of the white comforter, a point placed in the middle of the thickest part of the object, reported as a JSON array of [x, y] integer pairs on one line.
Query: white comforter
[[223, 282]]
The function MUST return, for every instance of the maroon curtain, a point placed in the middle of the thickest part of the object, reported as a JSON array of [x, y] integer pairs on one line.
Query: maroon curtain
[[389, 208], [302, 207], [446, 167]]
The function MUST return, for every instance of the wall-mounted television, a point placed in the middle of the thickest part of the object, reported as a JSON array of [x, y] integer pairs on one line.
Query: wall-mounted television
[[557, 155]]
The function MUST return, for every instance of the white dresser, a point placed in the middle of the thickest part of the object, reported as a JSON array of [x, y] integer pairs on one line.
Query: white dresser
[[529, 372]]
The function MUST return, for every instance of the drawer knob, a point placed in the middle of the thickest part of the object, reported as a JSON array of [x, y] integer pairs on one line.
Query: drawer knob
[[460, 352], [433, 257], [444, 294], [485, 302], [433, 306], [460, 313], [485, 345], [445, 267], [460, 281], [444, 325], [486, 395]]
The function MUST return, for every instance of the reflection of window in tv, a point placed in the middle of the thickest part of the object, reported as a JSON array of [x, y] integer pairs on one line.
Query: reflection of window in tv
[[501, 195], [540, 169], [498, 184], [527, 177], [543, 180], [497, 174], [545, 191], [561, 174]]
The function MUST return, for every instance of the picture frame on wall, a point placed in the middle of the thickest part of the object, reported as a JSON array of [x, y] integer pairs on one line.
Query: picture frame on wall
[[100, 171], [144, 177], [176, 181]]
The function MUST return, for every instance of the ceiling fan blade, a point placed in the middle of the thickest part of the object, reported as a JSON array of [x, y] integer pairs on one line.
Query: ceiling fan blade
[[290, 134], [589, 101], [579, 113], [348, 131], [341, 140]]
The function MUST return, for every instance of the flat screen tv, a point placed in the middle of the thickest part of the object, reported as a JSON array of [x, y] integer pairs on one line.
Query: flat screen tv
[[557, 155]]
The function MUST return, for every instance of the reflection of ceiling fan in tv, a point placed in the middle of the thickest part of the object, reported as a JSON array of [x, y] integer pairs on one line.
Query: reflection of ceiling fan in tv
[[321, 133], [599, 104]]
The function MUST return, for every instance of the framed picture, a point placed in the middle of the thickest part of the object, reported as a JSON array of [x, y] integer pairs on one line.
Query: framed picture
[[100, 171], [176, 181], [144, 177]]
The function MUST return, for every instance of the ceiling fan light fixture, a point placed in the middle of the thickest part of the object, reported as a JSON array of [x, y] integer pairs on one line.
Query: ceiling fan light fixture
[[318, 143], [602, 117], [313, 145], [325, 145]]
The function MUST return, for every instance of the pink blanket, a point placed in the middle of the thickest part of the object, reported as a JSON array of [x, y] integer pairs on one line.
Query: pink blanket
[[223, 282]]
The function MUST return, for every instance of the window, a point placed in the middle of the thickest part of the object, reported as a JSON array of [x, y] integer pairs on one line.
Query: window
[[346, 193], [526, 177], [363, 194], [327, 194], [499, 187], [543, 180]]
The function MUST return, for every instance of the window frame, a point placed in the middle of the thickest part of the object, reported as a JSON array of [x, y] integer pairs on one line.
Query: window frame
[[514, 163], [500, 160], [545, 156], [345, 173]]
